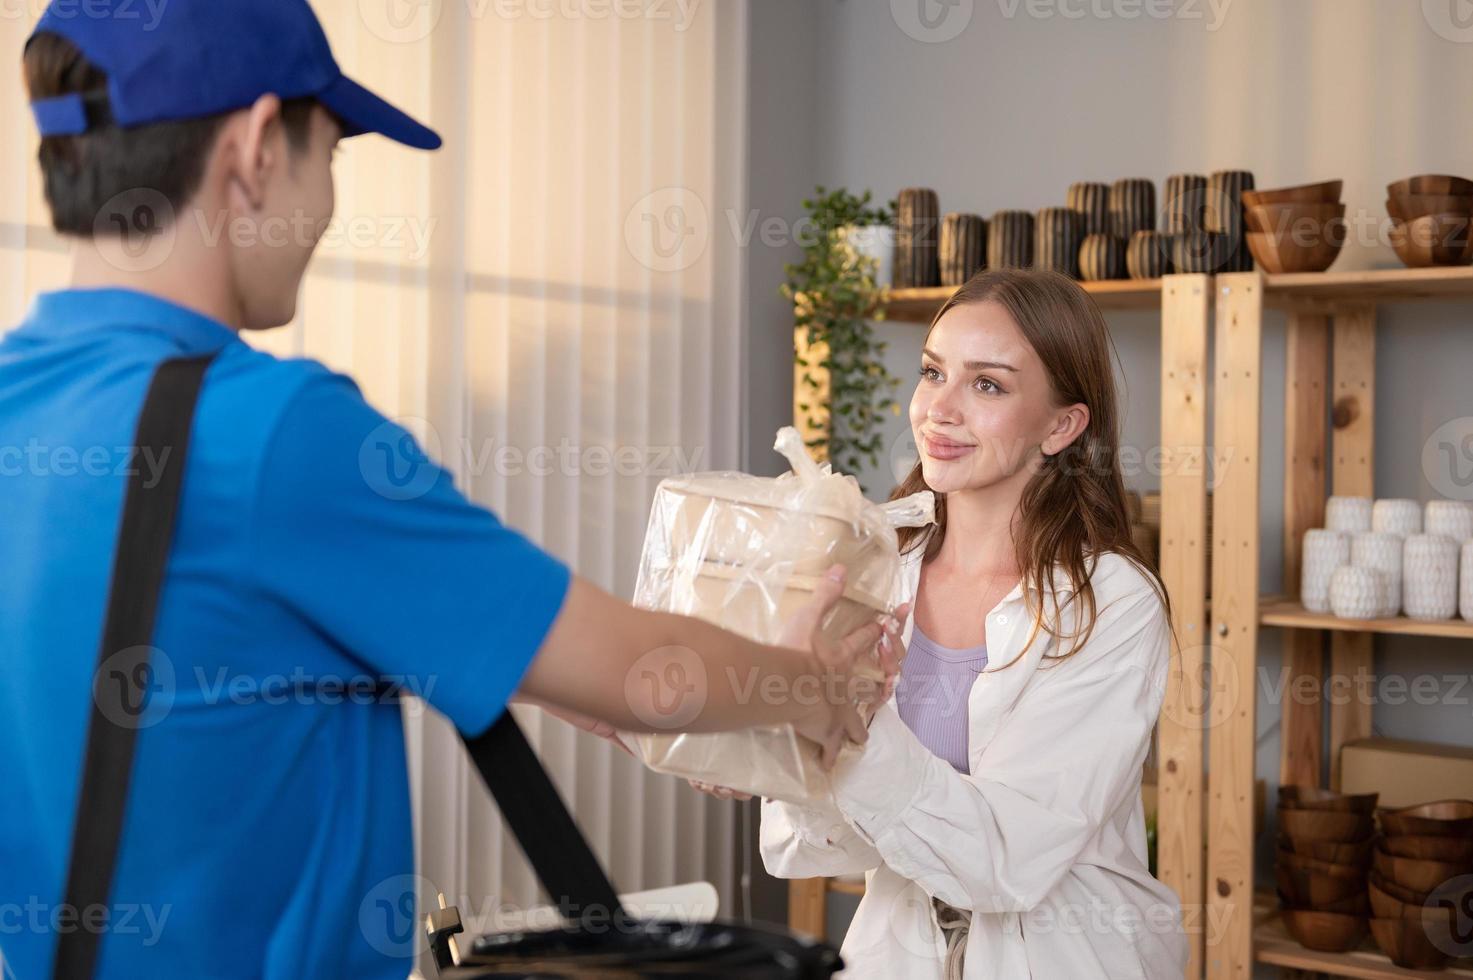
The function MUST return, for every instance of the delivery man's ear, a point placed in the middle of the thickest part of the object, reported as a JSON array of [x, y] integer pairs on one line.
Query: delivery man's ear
[[253, 144]]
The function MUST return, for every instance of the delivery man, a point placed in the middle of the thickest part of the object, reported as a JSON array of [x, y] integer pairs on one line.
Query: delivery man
[[260, 812]]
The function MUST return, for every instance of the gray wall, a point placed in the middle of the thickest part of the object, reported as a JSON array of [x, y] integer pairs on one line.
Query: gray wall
[[1021, 99]]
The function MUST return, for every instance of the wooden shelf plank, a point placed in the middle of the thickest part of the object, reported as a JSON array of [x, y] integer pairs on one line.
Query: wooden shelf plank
[[1292, 615], [1273, 945], [920, 305], [1371, 285], [848, 886]]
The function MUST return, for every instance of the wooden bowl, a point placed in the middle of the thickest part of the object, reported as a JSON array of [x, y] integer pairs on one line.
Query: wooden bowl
[[1357, 853], [1328, 932], [1444, 818], [1418, 875], [1357, 902], [1433, 240], [1452, 849], [1275, 255], [1407, 896], [1430, 184], [1407, 943], [1315, 798], [1324, 825], [1405, 207], [1325, 192], [1385, 905], [1316, 885], [1291, 217]]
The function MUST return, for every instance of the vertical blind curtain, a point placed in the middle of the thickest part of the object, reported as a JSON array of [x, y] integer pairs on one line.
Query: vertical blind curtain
[[550, 303]]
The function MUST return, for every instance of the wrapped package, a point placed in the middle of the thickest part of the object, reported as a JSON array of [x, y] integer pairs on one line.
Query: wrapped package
[[747, 553]]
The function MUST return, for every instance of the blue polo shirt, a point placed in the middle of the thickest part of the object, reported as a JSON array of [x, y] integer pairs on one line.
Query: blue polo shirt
[[268, 828]]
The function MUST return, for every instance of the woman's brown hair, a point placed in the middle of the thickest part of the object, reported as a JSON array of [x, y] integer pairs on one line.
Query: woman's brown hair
[[1074, 508]]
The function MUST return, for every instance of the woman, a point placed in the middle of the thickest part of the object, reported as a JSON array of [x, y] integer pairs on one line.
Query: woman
[[996, 808]]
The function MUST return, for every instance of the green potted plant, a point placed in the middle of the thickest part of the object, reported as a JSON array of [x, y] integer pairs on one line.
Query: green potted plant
[[836, 294]]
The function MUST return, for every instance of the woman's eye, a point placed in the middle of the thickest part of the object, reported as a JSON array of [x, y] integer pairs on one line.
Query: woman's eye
[[988, 385], [930, 373]]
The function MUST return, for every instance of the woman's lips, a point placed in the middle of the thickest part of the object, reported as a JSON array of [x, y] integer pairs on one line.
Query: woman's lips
[[938, 448]]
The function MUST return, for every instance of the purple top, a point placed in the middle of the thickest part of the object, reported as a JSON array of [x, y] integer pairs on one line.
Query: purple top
[[931, 695]]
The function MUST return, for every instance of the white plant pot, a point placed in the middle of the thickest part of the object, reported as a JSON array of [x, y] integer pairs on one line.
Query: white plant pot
[[1324, 551], [1430, 577], [1449, 518], [1357, 593], [1397, 516], [1465, 582], [1381, 551], [877, 242], [1349, 515]]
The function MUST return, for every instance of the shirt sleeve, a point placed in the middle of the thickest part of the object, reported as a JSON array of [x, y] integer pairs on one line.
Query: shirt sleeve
[[1067, 758], [367, 539], [805, 842]]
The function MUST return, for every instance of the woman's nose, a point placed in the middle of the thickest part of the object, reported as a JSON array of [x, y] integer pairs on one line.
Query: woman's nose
[[942, 408]]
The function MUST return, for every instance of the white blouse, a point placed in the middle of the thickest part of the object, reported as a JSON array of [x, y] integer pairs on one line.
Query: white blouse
[[1044, 842]]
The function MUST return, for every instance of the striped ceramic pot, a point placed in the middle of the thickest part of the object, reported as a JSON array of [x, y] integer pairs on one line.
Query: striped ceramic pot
[[1148, 255], [917, 217], [1102, 257], [1198, 251], [963, 247], [1010, 240], [1132, 207], [1092, 201], [1056, 240], [1184, 204], [1224, 214]]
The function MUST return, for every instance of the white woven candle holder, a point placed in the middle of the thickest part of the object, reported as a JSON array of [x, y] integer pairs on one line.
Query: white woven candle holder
[[1349, 515], [1465, 582], [1397, 516], [1449, 518], [1429, 577], [1324, 551], [1357, 593], [1381, 551]]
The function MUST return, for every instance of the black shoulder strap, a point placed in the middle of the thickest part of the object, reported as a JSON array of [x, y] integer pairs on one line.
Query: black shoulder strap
[[554, 845], [120, 683]]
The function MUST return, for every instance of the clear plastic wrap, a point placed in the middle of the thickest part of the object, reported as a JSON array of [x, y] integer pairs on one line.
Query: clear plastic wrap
[[746, 553]]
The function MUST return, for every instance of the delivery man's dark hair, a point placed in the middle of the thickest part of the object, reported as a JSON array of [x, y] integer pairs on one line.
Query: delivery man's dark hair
[[83, 173]]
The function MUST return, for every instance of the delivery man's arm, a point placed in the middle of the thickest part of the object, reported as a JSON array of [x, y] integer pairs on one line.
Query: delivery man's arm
[[372, 545]]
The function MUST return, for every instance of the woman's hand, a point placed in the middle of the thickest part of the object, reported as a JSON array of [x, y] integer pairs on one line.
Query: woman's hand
[[844, 688]]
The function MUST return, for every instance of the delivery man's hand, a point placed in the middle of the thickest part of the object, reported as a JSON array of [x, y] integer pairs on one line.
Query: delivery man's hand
[[841, 688]]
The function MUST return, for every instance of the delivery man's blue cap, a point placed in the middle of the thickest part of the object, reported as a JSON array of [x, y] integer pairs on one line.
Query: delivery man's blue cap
[[196, 58]]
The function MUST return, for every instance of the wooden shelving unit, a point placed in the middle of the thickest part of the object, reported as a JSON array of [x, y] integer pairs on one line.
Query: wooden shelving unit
[[1329, 364], [1184, 303]]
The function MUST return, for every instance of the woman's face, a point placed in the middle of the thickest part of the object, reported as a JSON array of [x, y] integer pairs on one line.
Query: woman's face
[[984, 410]]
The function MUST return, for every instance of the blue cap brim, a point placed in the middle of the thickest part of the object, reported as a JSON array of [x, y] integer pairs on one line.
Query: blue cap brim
[[363, 112]]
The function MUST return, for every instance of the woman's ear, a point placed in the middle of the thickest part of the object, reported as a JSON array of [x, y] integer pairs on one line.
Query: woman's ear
[[1068, 426]]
